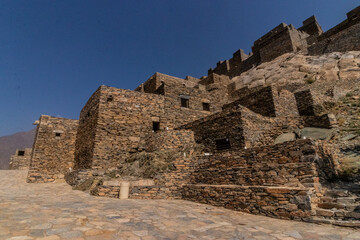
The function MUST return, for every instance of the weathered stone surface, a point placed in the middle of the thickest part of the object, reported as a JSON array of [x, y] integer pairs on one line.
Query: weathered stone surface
[[232, 134], [349, 137], [75, 213], [21, 159], [316, 133], [285, 137], [53, 150]]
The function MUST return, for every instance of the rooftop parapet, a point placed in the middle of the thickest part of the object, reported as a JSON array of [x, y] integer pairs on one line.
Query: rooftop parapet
[[354, 14], [341, 38], [192, 79], [284, 38], [270, 35], [155, 81], [311, 26], [239, 55]]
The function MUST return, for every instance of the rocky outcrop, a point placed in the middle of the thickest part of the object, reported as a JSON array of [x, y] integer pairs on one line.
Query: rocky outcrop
[[292, 71]]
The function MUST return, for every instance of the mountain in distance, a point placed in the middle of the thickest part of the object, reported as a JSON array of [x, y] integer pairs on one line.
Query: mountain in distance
[[9, 144]]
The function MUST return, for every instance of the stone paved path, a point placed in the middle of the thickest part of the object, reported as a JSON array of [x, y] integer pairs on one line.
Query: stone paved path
[[54, 211]]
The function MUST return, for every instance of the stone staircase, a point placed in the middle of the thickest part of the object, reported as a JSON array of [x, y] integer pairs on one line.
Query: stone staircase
[[339, 207]]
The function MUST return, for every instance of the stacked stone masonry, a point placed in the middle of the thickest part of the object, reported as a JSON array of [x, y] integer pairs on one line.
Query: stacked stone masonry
[[288, 164], [286, 38], [241, 144], [53, 149], [21, 159], [280, 202]]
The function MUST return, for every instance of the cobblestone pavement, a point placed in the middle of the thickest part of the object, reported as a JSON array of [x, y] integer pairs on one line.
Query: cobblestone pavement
[[55, 211]]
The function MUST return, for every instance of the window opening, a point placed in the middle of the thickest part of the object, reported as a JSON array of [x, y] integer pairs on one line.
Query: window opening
[[222, 144], [185, 102], [21, 153], [110, 98], [57, 134], [206, 106], [156, 126]]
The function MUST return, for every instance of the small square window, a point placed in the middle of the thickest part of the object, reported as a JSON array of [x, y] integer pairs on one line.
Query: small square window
[[110, 98], [57, 134], [206, 106], [185, 102], [21, 153], [156, 126], [222, 144]]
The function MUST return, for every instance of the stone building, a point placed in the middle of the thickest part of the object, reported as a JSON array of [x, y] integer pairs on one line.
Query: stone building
[[21, 159], [53, 149], [265, 146]]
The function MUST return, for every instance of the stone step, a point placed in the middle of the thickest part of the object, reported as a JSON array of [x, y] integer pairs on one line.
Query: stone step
[[340, 200], [343, 223], [337, 214], [319, 220], [335, 206], [337, 193], [320, 212], [351, 223]]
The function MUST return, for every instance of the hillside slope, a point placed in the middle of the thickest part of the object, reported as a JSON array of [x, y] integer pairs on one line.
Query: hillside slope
[[9, 144], [295, 69]]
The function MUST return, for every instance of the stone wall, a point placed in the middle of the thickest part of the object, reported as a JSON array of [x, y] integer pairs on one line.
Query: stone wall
[[53, 149], [267, 101], [286, 38], [225, 125], [153, 84], [211, 90], [310, 102], [341, 38], [305, 103], [21, 159], [287, 164], [166, 185], [268, 113], [240, 166], [171, 139], [280, 40], [260, 101], [281, 180], [85, 141], [311, 27], [280, 202], [176, 115], [240, 128], [116, 122], [169, 184], [259, 130], [119, 120]]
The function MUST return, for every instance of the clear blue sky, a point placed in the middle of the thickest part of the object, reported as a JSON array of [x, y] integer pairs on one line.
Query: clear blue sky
[[55, 53]]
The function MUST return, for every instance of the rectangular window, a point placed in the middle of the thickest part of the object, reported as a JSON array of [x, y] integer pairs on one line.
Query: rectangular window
[[156, 126], [206, 106], [21, 153], [184, 102], [222, 144], [57, 134]]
